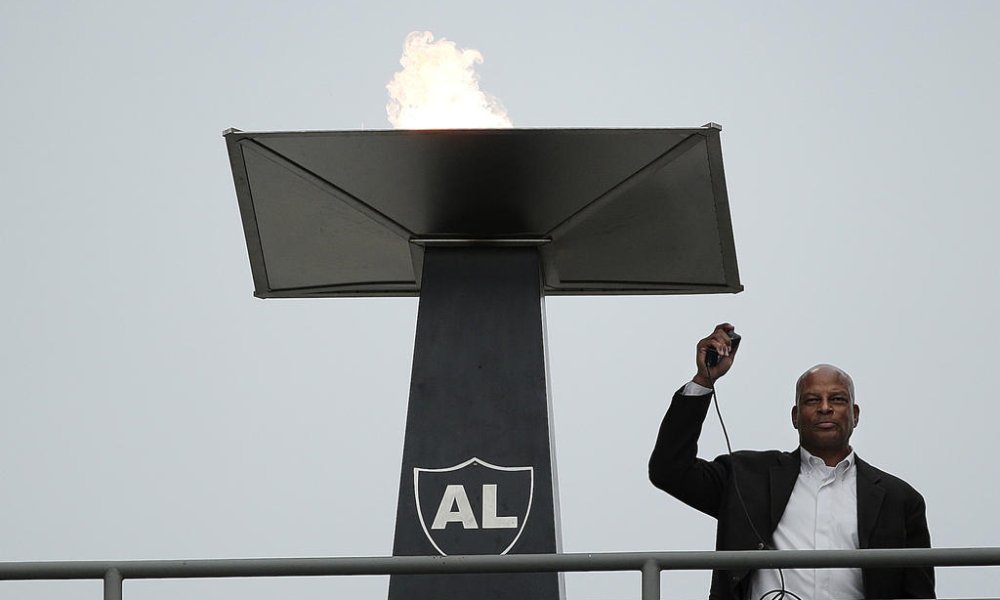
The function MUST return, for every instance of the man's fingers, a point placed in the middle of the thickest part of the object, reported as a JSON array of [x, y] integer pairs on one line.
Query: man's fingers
[[721, 342], [718, 340], [723, 327]]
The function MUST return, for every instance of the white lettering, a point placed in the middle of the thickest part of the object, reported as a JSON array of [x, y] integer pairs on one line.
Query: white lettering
[[454, 495], [490, 518]]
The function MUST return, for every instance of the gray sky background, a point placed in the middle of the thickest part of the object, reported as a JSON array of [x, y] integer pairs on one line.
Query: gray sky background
[[152, 408]]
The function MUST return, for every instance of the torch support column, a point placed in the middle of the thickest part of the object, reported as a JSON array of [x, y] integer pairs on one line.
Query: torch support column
[[478, 471]]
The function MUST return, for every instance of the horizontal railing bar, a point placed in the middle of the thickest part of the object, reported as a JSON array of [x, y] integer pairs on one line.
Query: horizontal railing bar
[[396, 565]]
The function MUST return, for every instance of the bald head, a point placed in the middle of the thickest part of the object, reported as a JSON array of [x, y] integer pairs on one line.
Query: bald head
[[825, 413], [824, 369]]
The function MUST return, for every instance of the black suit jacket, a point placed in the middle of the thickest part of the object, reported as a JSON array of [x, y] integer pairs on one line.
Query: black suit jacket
[[891, 514]]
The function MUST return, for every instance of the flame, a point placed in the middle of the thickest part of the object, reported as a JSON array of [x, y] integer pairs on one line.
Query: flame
[[438, 88]]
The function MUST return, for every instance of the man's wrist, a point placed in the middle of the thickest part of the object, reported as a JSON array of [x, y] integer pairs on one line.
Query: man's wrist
[[693, 388], [702, 381]]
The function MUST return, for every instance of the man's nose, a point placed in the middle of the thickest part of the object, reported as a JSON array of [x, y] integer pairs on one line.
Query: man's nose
[[825, 407]]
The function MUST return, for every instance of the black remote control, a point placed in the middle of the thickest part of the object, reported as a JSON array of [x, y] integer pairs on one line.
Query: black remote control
[[712, 357]]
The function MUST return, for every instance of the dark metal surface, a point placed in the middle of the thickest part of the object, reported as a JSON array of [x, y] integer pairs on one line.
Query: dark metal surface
[[679, 560], [113, 584], [478, 393], [648, 563], [627, 211]]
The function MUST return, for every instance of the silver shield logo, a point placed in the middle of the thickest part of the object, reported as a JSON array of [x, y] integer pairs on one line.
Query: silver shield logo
[[473, 507]]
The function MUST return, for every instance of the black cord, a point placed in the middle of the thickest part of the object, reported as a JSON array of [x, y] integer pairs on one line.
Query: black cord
[[732, 462], [778, 594]]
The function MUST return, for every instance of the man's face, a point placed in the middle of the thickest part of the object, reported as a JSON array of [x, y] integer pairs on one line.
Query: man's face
[[825, 413]]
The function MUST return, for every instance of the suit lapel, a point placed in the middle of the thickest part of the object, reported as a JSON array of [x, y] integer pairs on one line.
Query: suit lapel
[[870, 496], [783, 478]]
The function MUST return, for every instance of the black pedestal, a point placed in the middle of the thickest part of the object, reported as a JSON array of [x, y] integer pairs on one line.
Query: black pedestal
[[478, 474]]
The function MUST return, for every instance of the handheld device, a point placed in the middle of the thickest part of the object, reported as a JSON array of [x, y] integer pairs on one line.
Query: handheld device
[[712, 357]]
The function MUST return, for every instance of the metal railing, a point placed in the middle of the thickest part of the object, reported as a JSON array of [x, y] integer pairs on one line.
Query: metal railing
[[649, 564]]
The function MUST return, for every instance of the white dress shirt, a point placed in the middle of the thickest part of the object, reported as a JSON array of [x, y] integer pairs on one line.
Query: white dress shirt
[[821, 514]]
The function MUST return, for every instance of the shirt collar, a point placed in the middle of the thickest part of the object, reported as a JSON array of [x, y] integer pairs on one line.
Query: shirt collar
[[811, 464]]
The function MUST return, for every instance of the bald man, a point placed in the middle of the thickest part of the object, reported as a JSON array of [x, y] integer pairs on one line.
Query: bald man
[[820, 496]]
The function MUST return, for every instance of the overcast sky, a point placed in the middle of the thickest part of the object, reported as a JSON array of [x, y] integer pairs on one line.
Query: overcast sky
[[152, 408]]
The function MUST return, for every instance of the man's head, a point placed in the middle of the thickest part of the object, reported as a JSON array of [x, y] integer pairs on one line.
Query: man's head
[[825, 413]]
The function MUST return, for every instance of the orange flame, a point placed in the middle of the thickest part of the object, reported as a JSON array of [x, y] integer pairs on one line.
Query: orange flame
[[438, 88]]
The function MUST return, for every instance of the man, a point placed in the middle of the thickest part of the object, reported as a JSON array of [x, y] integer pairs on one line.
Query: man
[[819, 496]]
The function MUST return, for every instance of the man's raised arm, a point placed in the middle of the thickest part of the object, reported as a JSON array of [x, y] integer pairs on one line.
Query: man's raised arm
[[674, 466]]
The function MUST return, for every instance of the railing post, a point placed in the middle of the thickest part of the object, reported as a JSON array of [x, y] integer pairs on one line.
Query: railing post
[[650, 580], [112, 584]]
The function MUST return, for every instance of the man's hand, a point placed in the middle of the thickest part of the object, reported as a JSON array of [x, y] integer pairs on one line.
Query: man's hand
[[707, 376]]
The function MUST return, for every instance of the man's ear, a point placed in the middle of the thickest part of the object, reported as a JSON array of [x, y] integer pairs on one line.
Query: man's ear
[[857, 413], [795, 416]]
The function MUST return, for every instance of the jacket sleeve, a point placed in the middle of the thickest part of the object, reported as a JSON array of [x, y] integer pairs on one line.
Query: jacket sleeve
[[674, 466], [917, 582]]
